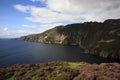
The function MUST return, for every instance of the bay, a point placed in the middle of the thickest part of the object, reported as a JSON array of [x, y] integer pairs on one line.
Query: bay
[[23, 52]]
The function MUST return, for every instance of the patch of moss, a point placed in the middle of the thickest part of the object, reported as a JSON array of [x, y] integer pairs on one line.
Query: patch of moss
[[77, 65], [74, 65]]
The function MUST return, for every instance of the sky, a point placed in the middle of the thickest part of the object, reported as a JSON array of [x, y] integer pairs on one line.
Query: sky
[[23, 17]]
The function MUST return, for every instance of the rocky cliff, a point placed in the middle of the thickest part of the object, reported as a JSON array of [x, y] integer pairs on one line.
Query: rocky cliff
[[101, 39]]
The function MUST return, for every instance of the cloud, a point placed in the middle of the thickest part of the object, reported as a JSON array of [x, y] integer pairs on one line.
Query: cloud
[[29, 26], [5, 32], [96, 10], [71, 10], [71, 6], [45, 15], [38, 0], [21, 8], [74, 11], [40, 28]]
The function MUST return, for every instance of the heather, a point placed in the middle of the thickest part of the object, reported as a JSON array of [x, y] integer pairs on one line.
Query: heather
[[61, 71]]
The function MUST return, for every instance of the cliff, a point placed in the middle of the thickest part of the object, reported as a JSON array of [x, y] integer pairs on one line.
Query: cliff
[[61, 71], [101, 39]]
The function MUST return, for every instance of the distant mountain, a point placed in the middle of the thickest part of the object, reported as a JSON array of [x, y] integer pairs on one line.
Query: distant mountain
[[97, 38]]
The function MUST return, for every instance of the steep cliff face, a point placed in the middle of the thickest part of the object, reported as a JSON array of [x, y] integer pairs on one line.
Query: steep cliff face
[[101, 39]]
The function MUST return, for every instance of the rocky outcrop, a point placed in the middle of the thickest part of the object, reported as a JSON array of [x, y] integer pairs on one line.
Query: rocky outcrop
[[101, 39]]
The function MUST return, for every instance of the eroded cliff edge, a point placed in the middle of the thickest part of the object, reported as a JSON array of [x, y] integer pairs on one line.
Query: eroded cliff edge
[[101, 39]]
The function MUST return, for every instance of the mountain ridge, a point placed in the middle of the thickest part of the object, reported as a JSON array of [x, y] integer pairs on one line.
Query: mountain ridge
[[98, 38]]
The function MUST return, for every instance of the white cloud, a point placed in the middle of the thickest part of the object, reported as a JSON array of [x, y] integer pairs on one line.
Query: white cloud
[[45, 15], [82, 5], [96, 10], [40, 28], [38, 0], [5, 29], [72, 10], [5, 32], [29, 26], [21, 8]]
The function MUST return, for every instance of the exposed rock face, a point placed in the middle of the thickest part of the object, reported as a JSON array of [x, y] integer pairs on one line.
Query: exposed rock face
[[101, 39]]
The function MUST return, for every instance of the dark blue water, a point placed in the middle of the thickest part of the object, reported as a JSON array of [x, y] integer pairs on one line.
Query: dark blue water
[[22, 52]]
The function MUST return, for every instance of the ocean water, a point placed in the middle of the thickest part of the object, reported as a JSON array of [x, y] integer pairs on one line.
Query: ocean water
[[23, 52]]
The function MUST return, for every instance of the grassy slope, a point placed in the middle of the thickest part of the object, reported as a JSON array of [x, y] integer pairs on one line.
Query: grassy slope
[[61, 71]]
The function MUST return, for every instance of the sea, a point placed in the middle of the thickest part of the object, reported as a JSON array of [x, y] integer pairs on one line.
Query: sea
[[23, 52]]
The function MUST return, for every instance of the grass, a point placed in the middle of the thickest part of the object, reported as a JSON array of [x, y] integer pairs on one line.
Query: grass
[[11, 78], [77, 65], [73, 65], [61, 71]]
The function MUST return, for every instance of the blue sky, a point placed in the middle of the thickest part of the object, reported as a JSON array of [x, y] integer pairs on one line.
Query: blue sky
[[23, 17], [12, 19]]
